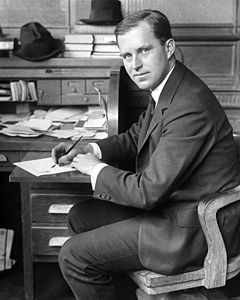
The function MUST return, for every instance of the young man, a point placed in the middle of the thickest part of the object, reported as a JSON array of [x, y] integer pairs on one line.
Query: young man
[[183, 149]]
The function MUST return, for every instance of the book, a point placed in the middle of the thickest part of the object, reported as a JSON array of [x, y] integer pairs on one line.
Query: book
[[78, 38], [19, 90], [14, 91], [24, 90], [75, 54], [32, 90], [5, 91], [86, 28], [106, 55], [78, 47], [5, 98], [6, 44], [106, 48], [104, 38]]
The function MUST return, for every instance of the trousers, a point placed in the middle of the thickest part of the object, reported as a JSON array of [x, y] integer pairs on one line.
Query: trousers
[[102, 249]]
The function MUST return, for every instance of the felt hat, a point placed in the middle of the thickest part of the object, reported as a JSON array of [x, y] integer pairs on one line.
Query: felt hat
[[104, 12], [36, 43]]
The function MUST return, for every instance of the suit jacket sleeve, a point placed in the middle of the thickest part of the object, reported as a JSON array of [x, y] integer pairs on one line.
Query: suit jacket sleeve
[[122, 146], [178, 143]]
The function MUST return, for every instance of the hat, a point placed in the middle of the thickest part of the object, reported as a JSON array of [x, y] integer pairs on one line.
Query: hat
[[36, 43], [104, 12]]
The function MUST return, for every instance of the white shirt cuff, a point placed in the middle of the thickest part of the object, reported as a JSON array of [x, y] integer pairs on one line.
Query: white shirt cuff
[[96, 150], [94, 174]]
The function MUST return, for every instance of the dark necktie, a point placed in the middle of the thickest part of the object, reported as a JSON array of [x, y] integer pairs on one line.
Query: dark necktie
[[152, 105]]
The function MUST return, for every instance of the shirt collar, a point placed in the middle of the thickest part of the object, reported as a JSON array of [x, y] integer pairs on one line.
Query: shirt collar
[[157, 91]]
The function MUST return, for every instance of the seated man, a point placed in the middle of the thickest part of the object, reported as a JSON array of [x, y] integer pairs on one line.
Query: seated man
[[183, 149]]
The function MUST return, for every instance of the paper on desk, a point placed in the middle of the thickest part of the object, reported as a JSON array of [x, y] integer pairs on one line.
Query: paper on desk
[[37, 124], [43, 166], [64, 114], [95, 123], [13, 118], [62, 134]]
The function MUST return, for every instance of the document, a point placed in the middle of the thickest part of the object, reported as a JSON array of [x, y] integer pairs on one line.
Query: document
[[43, 166]]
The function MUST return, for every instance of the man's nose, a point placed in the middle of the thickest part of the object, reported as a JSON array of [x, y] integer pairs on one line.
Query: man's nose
[[137, 63]]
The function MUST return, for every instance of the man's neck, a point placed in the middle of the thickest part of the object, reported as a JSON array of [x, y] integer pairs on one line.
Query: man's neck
[[158, 89]]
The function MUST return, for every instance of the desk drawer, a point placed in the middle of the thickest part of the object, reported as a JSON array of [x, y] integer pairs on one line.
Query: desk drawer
[[71, 87], [101, 84], [80, 99], [53, 208], [48, 240]]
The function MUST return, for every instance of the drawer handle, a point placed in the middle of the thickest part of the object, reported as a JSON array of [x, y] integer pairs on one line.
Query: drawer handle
[[3, 157], [59, 208], [49, 71], [58, 241]]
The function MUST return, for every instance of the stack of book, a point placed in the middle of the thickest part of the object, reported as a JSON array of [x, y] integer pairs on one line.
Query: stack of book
[[21, 90], [91, 45], [78, 45], [105, 45]]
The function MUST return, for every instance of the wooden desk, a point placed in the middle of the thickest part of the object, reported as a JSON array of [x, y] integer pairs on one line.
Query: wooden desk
[[45, 202]]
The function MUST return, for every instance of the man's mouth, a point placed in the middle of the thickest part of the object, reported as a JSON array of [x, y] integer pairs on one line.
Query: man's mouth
[[140, 75]]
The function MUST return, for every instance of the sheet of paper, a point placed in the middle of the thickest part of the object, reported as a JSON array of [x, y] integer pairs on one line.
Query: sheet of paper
[[64, 114], [43, 166], [37, 124], [95, 123], [62, 134]]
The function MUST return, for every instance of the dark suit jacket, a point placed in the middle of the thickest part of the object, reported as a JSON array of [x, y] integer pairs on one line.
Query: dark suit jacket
[[186, 153]]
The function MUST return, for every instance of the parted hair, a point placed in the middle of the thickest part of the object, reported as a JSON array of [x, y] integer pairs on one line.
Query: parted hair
[[157, 20]]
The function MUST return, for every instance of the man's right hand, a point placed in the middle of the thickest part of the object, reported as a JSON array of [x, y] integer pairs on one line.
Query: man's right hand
[[59, 152]]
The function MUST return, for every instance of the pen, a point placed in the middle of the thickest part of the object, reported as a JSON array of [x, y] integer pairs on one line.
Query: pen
[[73, 145]]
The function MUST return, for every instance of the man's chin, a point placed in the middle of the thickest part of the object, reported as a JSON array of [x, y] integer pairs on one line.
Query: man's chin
[[143, 85]]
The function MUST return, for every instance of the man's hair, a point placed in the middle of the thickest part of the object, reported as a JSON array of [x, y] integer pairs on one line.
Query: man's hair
[[158, 21]]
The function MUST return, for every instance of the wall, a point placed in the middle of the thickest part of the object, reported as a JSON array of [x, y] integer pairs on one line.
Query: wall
[[206, 31], [60, 15]]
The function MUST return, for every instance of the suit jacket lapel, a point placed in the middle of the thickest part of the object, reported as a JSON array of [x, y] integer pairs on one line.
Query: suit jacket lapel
[[146, 122], [164, 101]]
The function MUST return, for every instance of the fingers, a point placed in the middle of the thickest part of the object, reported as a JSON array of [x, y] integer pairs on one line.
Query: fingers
[[60, 157], [66, 159], [58, 152], [82, 156]]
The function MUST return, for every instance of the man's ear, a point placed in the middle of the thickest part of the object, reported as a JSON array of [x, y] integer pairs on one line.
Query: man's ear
[[170, 47]]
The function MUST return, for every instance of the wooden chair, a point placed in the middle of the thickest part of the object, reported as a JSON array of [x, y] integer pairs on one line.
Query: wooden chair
[[217, 267]]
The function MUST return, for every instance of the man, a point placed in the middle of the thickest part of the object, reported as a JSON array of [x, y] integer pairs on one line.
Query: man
[[183, 149]]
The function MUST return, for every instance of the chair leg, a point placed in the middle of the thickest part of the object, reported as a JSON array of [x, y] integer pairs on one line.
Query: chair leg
[[191, 294]]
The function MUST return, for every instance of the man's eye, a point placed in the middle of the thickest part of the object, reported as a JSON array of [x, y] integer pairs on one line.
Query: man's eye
[[127, 56], [145, 51]]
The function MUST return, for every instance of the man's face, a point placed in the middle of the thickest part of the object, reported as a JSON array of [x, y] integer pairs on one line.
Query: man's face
[[144, 58]]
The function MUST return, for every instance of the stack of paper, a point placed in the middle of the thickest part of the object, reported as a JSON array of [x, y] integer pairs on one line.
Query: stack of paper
[[28, 128]]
